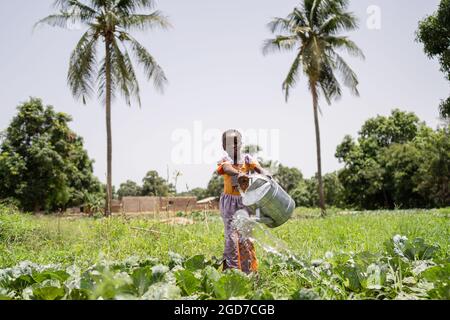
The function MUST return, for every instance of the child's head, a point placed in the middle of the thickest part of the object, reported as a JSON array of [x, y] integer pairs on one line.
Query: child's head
[[232, 143]]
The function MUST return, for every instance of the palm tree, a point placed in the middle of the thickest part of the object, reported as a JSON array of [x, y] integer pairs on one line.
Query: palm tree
[[108, 23], [312, 30]]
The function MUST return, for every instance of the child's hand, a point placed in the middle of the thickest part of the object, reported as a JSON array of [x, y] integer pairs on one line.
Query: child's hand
[[243, 181]]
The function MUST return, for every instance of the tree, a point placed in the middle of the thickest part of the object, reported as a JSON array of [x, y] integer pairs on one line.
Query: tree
[[199, 193], [432, 179], [400, 163], [129, 189], [42, 162], [288, 178], [301, 195], [312, 30], [305, 192], [381, 131], [215, 185], [109, 22], [333, 190], [154, 185], [434, 33], [397, 161], [252, 149]]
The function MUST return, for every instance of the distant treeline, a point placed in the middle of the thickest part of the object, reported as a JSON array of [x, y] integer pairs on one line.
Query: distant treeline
[[395, 162]]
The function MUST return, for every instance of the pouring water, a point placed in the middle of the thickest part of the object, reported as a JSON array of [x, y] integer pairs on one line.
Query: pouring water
[[254, 229]]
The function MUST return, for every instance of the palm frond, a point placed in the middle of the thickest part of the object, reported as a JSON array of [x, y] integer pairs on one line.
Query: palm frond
[[279, 43], [102, 5], [123, 72], [339, 22], [278, 25], [130, 6], [71, 11], [328, 8], [151, 68], [329, 85], [312, 14], [66, 5], [344, 43], [144, 21], [292, 76], [60, 20], [120, 72], [82, 67], [135, 92], [347, 74], [101, 83], [298, 18]]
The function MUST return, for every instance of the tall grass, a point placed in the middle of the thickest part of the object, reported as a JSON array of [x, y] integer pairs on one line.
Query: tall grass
[[83, 241]]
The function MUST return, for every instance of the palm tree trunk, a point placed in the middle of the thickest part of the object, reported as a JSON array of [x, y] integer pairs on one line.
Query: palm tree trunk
[[108, 128], [313, 88]]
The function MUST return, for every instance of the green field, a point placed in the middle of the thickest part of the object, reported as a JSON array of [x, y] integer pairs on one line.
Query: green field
[[344, 238]]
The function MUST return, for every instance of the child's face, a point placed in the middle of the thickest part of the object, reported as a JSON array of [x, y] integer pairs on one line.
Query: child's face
[[233, 145]]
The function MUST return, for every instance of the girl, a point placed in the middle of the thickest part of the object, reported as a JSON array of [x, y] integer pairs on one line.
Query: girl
[[239, 253]]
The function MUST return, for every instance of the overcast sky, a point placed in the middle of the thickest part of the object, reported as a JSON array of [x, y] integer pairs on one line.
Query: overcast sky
[[212, 57]]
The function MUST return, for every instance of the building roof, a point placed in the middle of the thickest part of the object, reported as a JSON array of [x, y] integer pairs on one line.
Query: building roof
[[206, 200]]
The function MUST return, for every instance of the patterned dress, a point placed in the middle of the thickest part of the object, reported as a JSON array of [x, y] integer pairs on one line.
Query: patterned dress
[[239, 253]]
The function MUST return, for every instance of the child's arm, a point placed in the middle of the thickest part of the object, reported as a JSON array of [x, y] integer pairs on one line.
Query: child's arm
[[255, 166], [260, 170], [229, 170]]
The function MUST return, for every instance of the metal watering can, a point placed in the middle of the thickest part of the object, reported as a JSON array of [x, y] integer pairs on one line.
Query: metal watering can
[[273, 206]]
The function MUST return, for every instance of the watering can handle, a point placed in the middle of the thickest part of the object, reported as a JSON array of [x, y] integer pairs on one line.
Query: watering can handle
[[255, 176], [261, 176]]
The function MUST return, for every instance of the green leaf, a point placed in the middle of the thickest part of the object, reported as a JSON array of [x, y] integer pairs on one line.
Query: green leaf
[[187, 281], [175, 259], [77, 294], [158, 272], [439, 276], [419, 250], [350, 276], [48, 290], [376, 277], [22, 281], [304, 294], [263, 294], [232, 284], [5, 294], [162, 291], [142, 279], [195, 263], [210, 276], [59, 275]]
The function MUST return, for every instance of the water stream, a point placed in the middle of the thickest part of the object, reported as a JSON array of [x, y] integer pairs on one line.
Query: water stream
[[250, 228]]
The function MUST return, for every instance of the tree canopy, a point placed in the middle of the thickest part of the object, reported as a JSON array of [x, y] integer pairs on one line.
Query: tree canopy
[[129, 189], [154, 185], [434, 33], [42, 161], [397, 161]]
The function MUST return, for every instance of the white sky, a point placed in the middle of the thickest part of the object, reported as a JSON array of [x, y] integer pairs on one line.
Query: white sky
[[214, 63]]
